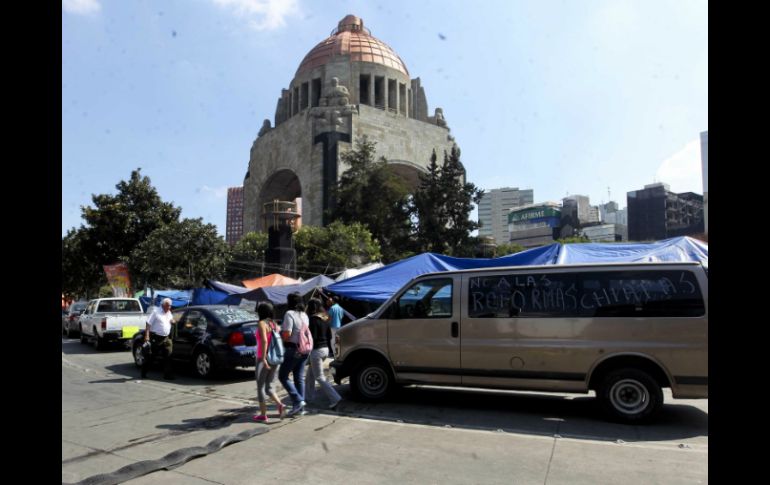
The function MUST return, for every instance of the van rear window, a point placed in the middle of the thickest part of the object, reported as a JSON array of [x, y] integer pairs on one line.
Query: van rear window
[[631, 293]]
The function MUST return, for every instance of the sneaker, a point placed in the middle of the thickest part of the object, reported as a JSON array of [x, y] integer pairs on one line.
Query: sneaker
[[281, 410], [295, 410], [260, 418]]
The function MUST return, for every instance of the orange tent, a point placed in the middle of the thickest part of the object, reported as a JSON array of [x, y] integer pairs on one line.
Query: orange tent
[[269, 280]]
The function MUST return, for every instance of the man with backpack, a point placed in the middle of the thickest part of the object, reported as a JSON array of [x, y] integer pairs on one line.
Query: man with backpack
[[298, 343]]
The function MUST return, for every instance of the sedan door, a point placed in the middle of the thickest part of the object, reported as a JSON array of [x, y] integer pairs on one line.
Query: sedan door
[[190, 330]]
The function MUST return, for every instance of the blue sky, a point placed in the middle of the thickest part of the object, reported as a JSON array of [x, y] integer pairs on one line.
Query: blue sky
[[570, 96]]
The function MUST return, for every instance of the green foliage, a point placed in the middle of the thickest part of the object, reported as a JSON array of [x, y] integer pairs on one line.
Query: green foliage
[[508, 248], [81, 275], [442, 206], [370, 193], [245, 255], [182, 254], [105, 292], [335, 247]]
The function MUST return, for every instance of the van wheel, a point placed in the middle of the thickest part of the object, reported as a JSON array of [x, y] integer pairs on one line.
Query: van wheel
[[371, 381], [630, 395]]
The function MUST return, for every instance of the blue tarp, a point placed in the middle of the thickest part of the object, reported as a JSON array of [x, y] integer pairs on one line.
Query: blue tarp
[[179, 298], [227, 288], [277, 294], [379, 285], [206, 296]]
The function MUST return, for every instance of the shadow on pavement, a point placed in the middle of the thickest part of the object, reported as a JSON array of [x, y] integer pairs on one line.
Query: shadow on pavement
[[72, 346], [569, 416]]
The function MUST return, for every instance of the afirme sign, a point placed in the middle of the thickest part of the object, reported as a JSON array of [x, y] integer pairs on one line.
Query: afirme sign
[[535, 213]]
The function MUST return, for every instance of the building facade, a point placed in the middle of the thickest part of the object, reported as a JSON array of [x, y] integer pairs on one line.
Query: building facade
[[494, 208], [605, 233], [656, 213], [348, 86], [234, 229], [535, 224]]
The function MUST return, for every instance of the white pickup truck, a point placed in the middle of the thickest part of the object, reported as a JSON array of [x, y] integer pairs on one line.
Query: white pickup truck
[[111, 320]]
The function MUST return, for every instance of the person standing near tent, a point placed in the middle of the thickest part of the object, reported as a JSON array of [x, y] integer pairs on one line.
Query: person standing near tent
[[319, 328], [157, 338], [265, 373], [294, 321], [335, 315]]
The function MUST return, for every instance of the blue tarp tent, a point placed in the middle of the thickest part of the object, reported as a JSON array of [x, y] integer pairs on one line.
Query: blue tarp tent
[[675, 249], [179, 298], [206, 296], [379, 285], [227, 288], [277, 294]]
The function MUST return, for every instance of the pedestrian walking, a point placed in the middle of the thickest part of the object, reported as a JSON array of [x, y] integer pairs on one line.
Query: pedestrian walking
[[295, 322], [335, 315], [321, 332], [265, 373], [157, 339]]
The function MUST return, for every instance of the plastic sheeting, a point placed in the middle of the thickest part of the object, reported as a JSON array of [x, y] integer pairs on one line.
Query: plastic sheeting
[[349, 273], [379, 285], [277, 294], [179, 298], [206, 296], [274, 279], [226, 288]]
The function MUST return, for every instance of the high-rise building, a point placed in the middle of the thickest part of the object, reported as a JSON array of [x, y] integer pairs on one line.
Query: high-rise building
[[656, 213], [234, 231], [704, 158], [534, 224], [494, 208]]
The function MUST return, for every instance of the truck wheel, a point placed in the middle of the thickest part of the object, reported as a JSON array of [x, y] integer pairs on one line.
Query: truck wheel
[[371, 381], [630, 395], [98, 342], [83, 338]]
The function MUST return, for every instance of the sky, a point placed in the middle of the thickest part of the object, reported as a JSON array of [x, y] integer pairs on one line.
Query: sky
[[587, 97]]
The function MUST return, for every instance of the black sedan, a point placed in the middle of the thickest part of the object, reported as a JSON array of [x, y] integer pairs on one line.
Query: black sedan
[[210, 337]]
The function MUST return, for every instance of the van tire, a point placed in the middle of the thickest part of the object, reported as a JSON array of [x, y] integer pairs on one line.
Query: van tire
[[371, 381], [630, 395]]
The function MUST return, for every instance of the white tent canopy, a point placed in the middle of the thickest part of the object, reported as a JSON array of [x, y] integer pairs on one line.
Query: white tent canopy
[[349, 273]]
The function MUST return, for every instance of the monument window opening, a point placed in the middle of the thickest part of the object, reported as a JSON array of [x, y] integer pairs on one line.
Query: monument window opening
[[305, 96], [392, 95], [411, 103], [316, 92], [379, 92], [402, 98], [363, 89], [295, 102]]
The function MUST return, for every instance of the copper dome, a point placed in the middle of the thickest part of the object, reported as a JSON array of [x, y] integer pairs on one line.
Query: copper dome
[[351, 38]]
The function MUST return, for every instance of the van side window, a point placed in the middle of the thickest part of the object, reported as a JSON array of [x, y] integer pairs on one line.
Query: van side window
[[425, 299], [631, 293], [544, 295], [663, 293]]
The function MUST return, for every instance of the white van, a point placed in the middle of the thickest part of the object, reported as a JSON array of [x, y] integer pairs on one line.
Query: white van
[[623, 330]]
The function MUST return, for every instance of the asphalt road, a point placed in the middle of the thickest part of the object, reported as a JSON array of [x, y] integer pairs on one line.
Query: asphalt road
[[113, 419]]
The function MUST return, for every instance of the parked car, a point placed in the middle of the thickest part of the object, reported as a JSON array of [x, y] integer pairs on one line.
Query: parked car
[[622, 330], [111, 320], [210, 337], [70, 317]]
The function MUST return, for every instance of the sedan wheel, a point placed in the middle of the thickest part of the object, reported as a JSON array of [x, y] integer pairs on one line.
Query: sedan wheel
[[138, 356], [204, 364]]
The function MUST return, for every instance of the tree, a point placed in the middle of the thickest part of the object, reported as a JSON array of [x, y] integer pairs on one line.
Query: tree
[[370, 193], [334, 247], [574, 239], [117, 224], [81, 275], [182, 254], [442, 207], [246, 254]]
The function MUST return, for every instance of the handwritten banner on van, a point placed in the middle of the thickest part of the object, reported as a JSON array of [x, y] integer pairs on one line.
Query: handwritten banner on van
[[589, 294]]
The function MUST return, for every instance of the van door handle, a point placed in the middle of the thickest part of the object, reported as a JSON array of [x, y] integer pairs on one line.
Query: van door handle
[[455, 329]]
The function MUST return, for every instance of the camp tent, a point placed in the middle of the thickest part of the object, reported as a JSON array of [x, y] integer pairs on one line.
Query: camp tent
[[278, 294], [269, 280], [349, 273], [379, 285], [179, 298]]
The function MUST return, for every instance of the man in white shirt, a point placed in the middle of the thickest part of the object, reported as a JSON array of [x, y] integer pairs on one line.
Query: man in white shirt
[[158, 334]]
